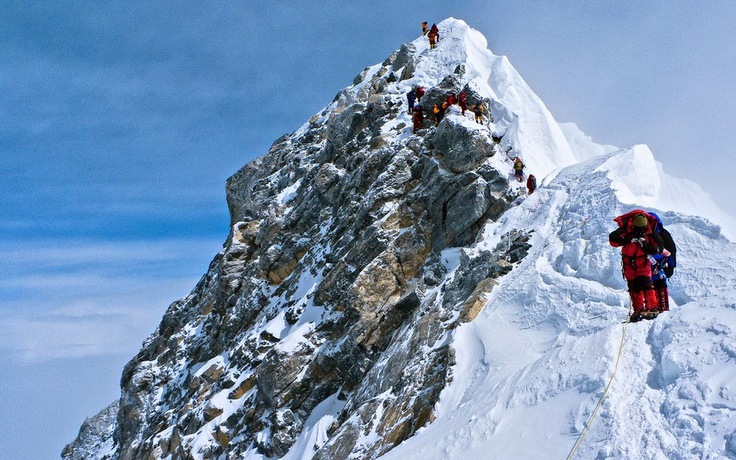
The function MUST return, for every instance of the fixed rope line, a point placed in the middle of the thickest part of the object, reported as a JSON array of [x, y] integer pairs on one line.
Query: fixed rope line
[[600, 402], [585, 219]]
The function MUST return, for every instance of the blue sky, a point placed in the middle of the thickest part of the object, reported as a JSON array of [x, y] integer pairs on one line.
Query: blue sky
[[122, 120]]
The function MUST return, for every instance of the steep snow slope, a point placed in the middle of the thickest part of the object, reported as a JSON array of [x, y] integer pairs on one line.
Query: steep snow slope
[[531, 129], [583, 145], [639, 179], [382, 288], [321, 322], [533, 365]]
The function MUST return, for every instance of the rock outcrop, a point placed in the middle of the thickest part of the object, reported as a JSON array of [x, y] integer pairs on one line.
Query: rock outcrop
[[95, 436], [331, 307]]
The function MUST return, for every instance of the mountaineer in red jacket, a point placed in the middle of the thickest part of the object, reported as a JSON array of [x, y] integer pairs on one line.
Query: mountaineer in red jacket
[[638, 242], [463, 101], [417, 119], [434, 36], [419, 92]]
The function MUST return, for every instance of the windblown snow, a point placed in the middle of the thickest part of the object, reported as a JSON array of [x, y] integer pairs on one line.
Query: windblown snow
[[549, 345], [532, 367]]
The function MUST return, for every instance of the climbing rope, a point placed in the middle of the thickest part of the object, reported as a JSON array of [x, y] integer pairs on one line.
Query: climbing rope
[[585, 219], [600, 402]]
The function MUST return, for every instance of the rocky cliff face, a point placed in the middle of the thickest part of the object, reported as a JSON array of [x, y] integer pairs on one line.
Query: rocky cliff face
[[323, 326], [95, 437]]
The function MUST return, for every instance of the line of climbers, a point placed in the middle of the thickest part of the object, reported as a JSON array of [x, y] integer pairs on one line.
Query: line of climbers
[[414, 98], [531, 181], [433, 35], [647, 248], [648, 257]]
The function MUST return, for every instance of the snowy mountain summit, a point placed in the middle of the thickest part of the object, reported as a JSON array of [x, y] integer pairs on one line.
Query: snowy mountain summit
[[398, 295]]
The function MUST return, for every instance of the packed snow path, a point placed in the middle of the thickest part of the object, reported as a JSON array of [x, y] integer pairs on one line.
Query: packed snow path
[[534, 364], [525, 374]]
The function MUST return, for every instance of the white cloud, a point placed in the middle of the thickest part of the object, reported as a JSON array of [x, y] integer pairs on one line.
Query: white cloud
[[72, 299], [100, 327]]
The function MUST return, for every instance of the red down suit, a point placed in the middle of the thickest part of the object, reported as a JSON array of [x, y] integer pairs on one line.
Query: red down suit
[[636, 244]]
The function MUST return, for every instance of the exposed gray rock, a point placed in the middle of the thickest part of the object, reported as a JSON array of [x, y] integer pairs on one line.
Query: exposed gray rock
[[462, 148], [403, 56], [280, 369], [438, 94], [465, 209], [95, 439], [474, 97], [330, 286]]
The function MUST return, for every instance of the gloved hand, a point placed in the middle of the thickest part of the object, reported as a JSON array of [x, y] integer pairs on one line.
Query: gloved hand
[[638, 240]]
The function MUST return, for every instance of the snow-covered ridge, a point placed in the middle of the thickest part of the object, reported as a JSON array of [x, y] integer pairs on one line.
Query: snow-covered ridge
[[386, 294], [583, 145], [533, 131], [533, 365], [640, 181], [546, 145]]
